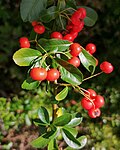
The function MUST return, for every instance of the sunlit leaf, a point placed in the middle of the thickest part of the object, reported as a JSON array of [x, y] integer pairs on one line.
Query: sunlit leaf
[[87, 60], [60, 96], [43, 115], [69, 73], [62, 120], [24, 56], [30, 84]]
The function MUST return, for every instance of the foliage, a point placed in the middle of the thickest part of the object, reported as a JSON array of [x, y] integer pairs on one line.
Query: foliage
[[108, 19]]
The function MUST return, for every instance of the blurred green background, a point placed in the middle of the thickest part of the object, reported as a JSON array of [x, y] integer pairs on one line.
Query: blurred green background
[[18, 107]]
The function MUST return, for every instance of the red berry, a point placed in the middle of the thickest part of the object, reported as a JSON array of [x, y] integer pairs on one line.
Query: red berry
[[76, 18], [91, 93], [24, 42], [106, 67], [75, 61], [91, 48], [52, 74], [83, 12], [78, 28], [68, 37], [86, 103], [99, 101], [34, 23], [75, 49], [40, 29], [56, 35], [74, 34], [93, 113], [38, 74]]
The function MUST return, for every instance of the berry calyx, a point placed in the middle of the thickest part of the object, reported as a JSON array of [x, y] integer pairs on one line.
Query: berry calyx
[[91, 48], [106, 67], [39, 74], [52, 74], [86, 103], [91, 93], [75, 49], [75, 61], [56, 35], [40, 29], [94, 113], [24, 42], [99, 101]]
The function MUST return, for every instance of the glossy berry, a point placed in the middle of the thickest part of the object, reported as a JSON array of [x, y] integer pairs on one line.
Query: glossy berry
[[76, 18], [75, 49], [91, 93], [91, 48], [74, 34], [52, 74], [34, 23], [39, 74], [78, 28], [106, 67], [56, 35], [40, 29], [86, 103], [93, 113], [83, 12], [24, 42], [99, 101], [75, 61], [68, 37]]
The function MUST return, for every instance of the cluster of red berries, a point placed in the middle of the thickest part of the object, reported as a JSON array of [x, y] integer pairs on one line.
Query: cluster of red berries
[[41, 74], [75, 50], [76, 24], [38, 28], [92, 103]]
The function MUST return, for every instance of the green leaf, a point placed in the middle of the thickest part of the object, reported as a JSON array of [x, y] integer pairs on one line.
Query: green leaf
[[73, 131], [82, 140], [38, 122], [52, 145], [62, 95], [69, 73], [49, 14], [91, 17], [70, 139], [54, 45], [62, 120], [30, 84], [75, 122], [43, 115], [24, 56], [87, 60], [30, 9], [71, 3], [44, 140]]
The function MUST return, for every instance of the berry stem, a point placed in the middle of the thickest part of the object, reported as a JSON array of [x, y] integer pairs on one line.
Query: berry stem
[[92, 76]]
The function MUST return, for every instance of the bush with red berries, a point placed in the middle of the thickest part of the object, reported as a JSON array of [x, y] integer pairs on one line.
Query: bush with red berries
[[54, 57]]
